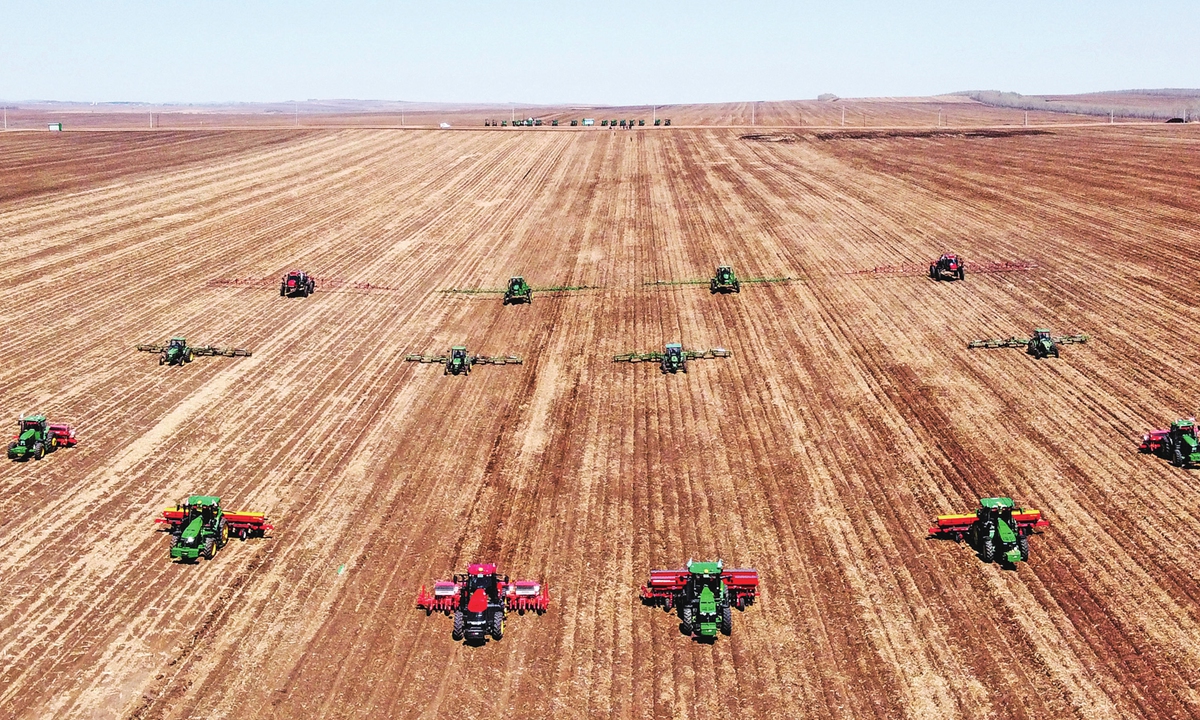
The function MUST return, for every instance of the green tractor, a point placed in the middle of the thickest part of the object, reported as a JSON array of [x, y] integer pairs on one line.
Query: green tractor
[[518, 291], [176, 352], [674, 359], [1177, 443], [704, 594], [1042, 344], [724, 281], [36, 436], [996, 536], [458, 362], [202, 530]]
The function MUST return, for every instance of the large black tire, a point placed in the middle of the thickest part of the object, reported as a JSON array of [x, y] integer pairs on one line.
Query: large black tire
[[312, 286], [459, 626], [933, 272], [222, 533], [39, 451], [1054, 351], [162, 359], [209, 550], [726, 620], [282, 290], [685, 614], [987, 549], [1177, 453], [1023, 546], [498, 625], [737, 287], [712, 287], [962, 274], [189, 356]]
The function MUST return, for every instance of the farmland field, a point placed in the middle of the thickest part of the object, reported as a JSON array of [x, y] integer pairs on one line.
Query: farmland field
[[850, 414]]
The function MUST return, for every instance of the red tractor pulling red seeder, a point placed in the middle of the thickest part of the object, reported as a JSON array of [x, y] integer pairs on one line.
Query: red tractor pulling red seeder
[[479, 600]]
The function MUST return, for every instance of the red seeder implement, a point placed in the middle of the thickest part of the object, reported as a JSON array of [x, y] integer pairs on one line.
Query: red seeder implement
[[974, 268], [518, 595], [957, 527], [666, 585], [242, 524], [62, 435]]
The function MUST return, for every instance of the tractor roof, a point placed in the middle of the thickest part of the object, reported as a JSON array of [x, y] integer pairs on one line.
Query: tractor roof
[[1185, 422], [204, 500], [996, 502], [35, 418], [516, 278], [674, 346], [459, 347], [1040, 331], [724, 267], [482, 569], [180, 339], [704, 568]]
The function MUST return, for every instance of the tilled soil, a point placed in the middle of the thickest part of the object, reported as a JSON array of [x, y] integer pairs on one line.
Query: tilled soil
[[850, 414]]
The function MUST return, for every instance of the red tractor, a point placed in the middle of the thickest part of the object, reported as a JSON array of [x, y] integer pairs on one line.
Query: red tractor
[[297, 282], [479, 600], [948, 267]]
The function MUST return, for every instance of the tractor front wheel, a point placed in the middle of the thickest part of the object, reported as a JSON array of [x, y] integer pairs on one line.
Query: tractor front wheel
[[208, 548], [987, 549], [726, 620], [686, 625], [459, 626], [962, 274], [39, 451]]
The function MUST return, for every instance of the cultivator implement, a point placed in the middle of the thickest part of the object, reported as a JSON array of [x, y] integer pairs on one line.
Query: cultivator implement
[[658, 356], [708, 281], [703, 594], [1020, 342], [537, 288], [458, 361], [997, 530], [177, 351], [480, 599], [326, 283]]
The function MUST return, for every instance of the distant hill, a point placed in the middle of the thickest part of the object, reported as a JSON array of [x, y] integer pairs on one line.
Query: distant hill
[[1161, 104]]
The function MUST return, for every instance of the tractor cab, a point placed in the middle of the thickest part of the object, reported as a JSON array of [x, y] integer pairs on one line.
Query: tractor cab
[[724, 280], [948, 261], [518, 291], [296, 282], [36, 423], [1041, 334], [674, 359], [177, 343], [1042, 344], [515, 284], [724, 274], [458, 362], [948, 267], [1185, 446], [480, 605], [997, 535]]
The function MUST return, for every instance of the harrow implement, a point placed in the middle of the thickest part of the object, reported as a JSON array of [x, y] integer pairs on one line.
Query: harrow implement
[[636, 357], [914, 269], [208, 350], [480, 599], [458, 361], [1023, 342]]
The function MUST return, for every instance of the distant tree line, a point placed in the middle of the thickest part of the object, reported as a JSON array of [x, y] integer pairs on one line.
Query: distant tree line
[[1188, 108]]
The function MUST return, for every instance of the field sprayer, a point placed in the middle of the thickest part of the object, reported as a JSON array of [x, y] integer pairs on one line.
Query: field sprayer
[[480, 599], [704, 595], [997, 531]]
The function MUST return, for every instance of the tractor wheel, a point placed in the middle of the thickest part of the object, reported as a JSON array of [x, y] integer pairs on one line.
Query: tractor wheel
[[498, 625], [686, 617], [726, 620], [1023, 546], [712, 287], [189, 356], [962, 274], [222, 534], [282, 291], [209, 550], [311, 287], [459, 626], [1054, 351], [162, 359], [39, 451], [737, 287], [1177, 454], [932, 272], [987, 549]]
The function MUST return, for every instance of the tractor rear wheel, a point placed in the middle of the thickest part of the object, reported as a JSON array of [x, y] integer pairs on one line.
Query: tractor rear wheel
[[1023, 546], [459, 626], [686, 625], [282, 291], [498, 625], [726, 620], [222, 534], [962, 274], [1177, 453]]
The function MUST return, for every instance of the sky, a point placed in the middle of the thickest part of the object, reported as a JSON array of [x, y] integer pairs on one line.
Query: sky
[[596, 51]]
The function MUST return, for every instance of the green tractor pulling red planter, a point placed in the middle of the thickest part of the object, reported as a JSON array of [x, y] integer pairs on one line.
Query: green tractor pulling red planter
[[704, 594], [1178, 443], [36, 437], [480, 599], [200, 527]]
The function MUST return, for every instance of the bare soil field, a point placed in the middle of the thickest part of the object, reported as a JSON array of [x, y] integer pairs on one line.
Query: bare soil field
[[848, 417]]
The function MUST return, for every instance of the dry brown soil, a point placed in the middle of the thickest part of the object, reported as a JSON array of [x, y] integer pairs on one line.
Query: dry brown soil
[[849, 415]]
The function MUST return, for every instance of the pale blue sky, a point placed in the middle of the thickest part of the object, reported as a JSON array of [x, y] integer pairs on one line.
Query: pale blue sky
[[599, 51]]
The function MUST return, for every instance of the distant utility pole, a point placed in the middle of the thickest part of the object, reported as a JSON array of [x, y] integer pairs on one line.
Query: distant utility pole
[[752, 112], [843, 116], [151, 119], [939, 117], [297, 109], [1026, 118], [5, 117]]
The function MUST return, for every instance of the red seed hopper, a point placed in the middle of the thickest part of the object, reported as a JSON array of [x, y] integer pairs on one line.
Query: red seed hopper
[[62, 435]]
